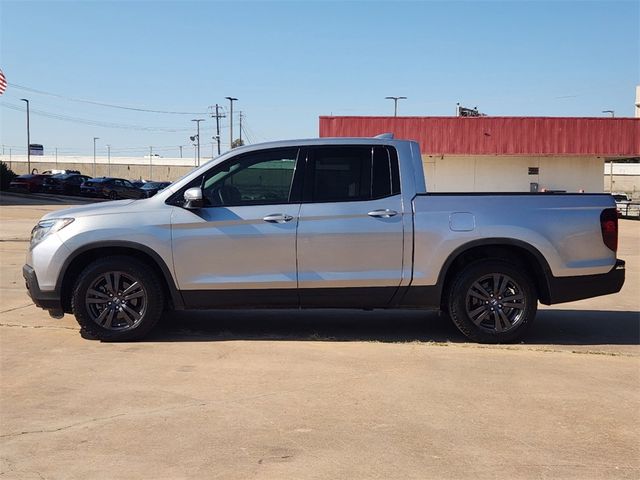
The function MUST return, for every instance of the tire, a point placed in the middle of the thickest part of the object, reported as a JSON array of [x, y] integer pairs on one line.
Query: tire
[[105, 310], [478, 301], [113, 195]]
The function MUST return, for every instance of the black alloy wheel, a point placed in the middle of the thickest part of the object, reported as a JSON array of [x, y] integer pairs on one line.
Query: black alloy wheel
[[492, 301], [117, 299]]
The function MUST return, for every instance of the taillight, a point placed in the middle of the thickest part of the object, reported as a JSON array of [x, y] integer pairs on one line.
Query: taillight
[[609, 227]]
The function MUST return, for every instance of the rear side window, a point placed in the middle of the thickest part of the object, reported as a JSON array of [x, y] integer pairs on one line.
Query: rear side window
[[351, 173], [341, 174]]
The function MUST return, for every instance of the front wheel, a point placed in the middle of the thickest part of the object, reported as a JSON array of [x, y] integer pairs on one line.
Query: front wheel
[[492, 301], [113, 195], [117, 298]]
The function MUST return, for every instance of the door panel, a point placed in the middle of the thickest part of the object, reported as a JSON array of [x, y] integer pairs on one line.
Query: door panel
[[234, 248], [342, 247]]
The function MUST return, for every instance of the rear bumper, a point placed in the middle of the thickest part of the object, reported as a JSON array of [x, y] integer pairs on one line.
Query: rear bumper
[[47, 300], [569, 289]]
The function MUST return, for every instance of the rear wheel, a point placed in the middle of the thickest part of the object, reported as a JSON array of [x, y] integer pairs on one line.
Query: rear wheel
[[492, 301], [117, 299], [113, 195]]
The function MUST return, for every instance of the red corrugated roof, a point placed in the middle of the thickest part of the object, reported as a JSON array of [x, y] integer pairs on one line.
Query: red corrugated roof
[[499, 135]]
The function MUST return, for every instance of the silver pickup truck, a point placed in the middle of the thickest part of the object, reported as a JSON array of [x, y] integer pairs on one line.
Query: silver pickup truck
[[339, 223]]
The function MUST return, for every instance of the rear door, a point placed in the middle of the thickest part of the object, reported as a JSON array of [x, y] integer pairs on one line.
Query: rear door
[[350, 232]]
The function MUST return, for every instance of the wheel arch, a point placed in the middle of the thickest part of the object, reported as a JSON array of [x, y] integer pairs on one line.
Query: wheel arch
[[81, 257], [518, 252]]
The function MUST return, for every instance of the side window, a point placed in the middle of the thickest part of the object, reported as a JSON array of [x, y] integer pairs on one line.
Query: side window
[[352, 173], [117, 183], [341, 174], [261, 178], [127, 184]]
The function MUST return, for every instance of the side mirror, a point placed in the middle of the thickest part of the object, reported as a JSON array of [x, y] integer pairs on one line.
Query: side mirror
[[193, 198]]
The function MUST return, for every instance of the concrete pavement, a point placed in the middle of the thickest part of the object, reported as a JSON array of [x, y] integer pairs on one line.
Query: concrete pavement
[[321, 395]]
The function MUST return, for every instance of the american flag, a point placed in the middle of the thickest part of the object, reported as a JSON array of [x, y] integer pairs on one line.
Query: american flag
[[3, 83]]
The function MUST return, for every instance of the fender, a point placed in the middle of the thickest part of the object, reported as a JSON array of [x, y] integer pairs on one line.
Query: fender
[[431, 295], [176, 297]]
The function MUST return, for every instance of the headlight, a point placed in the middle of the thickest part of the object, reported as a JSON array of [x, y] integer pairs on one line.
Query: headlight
[[45, 227]]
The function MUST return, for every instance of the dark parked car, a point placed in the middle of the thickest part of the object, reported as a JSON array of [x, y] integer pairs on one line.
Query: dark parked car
[[65, 184], [31, 183], [107, 187], [149, 189], [138, 183]]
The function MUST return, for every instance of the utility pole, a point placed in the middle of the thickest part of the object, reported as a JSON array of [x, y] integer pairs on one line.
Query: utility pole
[[150, 163], [180, 147], [28, 138], [94, 155], [218, 116], [56, 156], [198, 120], [231, 100], [395, 103], [109, 160], [241, 127]]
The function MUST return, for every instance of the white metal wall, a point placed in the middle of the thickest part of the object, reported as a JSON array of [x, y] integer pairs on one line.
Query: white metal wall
[[511, 174]]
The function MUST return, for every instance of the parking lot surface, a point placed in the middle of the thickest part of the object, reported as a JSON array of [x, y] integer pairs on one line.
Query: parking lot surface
[[317, 394]]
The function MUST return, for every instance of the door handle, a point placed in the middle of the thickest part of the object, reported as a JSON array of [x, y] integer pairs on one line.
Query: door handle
[[384, 213], [278, 218]]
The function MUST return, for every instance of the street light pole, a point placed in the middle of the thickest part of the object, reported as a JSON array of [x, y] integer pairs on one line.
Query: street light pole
[[395, 103], [198, 120], [94, 154], [231, 100], [150, 163], [612, 112], [28, 138]]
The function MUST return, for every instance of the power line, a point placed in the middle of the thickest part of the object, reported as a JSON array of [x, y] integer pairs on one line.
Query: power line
[[94, 123], [102, 104]]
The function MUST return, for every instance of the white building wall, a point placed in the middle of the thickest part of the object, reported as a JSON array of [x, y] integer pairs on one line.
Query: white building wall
[[511, 173]]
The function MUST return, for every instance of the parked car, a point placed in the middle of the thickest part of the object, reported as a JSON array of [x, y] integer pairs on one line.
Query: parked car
[[323, 223], [138, 183], [30, 183], [108, 187], [59, 172], [151, 188], [65, 184]]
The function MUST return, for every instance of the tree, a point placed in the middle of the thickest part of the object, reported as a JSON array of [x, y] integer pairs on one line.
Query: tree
[[238, 142], [6, 176]]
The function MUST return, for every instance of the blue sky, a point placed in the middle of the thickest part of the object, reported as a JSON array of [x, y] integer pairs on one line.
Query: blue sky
[[289, 62]]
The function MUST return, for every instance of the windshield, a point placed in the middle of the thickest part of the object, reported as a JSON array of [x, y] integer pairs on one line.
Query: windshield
[[150, 185]]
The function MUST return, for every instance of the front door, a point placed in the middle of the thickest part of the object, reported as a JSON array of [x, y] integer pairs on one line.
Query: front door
[[240, 249], [350, 232]]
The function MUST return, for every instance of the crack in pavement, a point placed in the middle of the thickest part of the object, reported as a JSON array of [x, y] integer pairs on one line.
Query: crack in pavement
[[101, 419], [16, 308], [44, 327], [523, 348]]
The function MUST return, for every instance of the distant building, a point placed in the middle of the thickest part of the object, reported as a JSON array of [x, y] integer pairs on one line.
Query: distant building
[[499, 154]]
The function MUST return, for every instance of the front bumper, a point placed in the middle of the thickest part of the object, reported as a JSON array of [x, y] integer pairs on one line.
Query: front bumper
[[47, 300], [569, 289]]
